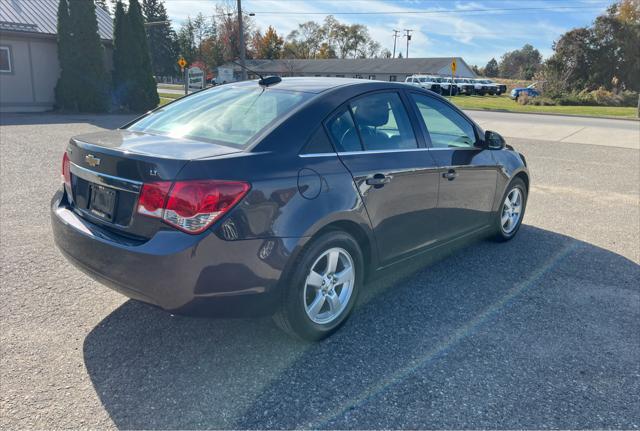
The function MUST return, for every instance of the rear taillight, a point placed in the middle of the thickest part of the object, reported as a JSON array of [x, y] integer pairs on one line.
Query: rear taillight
[[66, 170], [191, 206]]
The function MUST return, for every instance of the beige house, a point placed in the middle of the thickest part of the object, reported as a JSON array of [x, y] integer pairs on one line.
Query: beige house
[[29, 66]]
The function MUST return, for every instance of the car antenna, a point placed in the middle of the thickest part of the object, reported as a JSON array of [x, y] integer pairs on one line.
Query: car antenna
[[263, 82]]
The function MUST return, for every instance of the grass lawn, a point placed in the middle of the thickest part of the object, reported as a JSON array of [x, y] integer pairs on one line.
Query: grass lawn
[[504, 103], [170, 95]]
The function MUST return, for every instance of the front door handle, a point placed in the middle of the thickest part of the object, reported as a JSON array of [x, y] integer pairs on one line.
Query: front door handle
[[378, 180], [450, 175]]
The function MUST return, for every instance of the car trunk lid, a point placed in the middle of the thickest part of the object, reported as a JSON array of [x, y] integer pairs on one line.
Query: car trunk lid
[[109, 168]]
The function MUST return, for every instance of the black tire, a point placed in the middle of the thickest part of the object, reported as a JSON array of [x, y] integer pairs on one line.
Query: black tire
[[291, 316], [500, 234]]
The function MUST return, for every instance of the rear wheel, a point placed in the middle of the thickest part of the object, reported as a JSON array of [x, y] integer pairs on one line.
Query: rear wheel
[[509, 217], [322, 289]]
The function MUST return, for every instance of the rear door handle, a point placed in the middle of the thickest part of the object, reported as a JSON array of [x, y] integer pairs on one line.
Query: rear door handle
[[450, 175], [378, 180]]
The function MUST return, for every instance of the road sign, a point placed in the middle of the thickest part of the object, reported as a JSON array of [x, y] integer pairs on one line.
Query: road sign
[[195, 78], [182, 62], [453, 66]]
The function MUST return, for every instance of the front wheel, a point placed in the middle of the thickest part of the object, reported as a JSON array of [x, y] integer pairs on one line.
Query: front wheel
[[509, 217], [322, 288]]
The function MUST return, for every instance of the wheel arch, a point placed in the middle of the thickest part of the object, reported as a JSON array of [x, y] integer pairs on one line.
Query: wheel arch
[[359, 234]]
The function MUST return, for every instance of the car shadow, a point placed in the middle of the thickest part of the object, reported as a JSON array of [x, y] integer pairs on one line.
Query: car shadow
[[427, 346], [105, 121]]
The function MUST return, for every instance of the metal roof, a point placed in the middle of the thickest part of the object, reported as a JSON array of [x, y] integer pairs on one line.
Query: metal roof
[[41, 17], [352, 65]]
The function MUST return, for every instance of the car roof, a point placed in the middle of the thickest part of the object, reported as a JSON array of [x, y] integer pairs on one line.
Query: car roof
[[308, 84]]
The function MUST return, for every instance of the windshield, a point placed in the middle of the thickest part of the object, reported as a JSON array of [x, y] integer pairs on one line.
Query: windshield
[[227, 115]]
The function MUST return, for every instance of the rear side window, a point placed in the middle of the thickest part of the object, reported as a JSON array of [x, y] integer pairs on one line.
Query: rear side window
[[447, 128], [226, 115], [383, 122]]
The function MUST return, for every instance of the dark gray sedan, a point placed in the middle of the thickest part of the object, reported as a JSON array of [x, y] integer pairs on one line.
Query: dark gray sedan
[[281, 197]]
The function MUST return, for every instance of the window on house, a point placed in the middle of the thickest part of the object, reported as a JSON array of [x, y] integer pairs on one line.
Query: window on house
[[372, 77], [392, 78], [339, 76], [5, 59]]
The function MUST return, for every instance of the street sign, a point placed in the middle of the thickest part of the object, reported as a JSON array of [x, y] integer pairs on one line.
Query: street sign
[[195, 76], [182, 62], [453, 66]]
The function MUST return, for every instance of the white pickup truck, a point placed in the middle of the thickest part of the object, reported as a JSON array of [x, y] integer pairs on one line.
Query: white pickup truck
[[424, 81]]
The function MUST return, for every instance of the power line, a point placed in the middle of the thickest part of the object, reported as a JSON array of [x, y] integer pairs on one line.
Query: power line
[[436, 12]]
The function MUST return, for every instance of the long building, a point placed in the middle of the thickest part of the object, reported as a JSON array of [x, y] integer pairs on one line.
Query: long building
[[29, 67], [382, 69]]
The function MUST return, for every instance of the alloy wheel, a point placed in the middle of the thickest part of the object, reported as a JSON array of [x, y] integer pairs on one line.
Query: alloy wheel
[[511, 211], [329, 285]]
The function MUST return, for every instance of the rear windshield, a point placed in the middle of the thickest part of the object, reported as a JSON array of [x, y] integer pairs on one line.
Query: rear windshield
[[225, 115]]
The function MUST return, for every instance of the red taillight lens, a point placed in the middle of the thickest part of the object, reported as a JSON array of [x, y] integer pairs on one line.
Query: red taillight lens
[[66, 170], [152, 198], [191, 206]]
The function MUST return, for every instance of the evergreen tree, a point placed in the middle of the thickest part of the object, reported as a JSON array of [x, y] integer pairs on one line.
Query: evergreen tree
[[89, 79], [143, 93], [491, 69], [159, 39], [120, 55], [63, 92]]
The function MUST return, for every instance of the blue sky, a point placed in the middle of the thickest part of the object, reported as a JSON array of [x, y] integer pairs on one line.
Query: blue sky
[[448, 28]]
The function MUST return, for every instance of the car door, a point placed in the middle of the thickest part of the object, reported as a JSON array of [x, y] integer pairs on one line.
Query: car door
[[376, 139], [468, 173]]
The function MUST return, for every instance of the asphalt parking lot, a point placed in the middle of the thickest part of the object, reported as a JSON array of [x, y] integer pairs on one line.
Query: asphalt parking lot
[[540, 332]]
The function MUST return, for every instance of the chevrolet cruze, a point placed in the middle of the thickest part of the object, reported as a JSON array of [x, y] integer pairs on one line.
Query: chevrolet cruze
[[280, 197]]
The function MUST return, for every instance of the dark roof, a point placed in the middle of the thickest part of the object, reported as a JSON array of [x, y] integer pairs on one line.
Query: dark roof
[[353, 65], [41, 17]]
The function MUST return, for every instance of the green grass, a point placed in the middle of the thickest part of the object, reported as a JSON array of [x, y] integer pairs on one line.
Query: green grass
[[170, 95], [504, 103]]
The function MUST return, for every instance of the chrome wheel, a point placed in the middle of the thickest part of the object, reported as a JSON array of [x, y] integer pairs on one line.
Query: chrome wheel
[[329, 285], [511, 211]]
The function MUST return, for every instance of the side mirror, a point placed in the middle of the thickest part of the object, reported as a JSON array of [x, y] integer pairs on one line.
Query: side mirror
[[493, 140]]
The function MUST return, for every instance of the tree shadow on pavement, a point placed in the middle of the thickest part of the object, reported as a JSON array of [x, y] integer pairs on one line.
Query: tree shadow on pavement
[[540, 332], [105, 121]]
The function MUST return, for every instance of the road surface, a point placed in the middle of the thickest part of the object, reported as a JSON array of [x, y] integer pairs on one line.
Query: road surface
[[561, 128], [540, 332]]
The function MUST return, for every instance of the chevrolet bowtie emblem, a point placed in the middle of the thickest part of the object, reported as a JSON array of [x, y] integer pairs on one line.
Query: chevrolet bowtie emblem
[[91, 160]]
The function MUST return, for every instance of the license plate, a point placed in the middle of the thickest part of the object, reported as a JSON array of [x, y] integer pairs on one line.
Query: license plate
[[103, 202]]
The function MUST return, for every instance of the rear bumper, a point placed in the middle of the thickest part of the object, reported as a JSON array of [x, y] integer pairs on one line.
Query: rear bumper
[[181, 273]]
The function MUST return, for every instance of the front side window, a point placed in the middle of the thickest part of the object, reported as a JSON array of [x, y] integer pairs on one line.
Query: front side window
[[383, 122], [226, 115], [447, 128], [5, 59]]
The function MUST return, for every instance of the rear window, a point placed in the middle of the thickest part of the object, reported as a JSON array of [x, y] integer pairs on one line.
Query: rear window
[[226, 115]]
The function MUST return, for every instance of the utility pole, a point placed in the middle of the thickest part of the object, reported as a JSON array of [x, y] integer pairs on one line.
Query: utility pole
[[408, 34], [395, 37], [242, 47]]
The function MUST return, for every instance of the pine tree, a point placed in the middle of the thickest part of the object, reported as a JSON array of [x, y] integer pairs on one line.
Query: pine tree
[[161, 45], [143, 93], [63, 91], [120, 56], [89, 79]]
